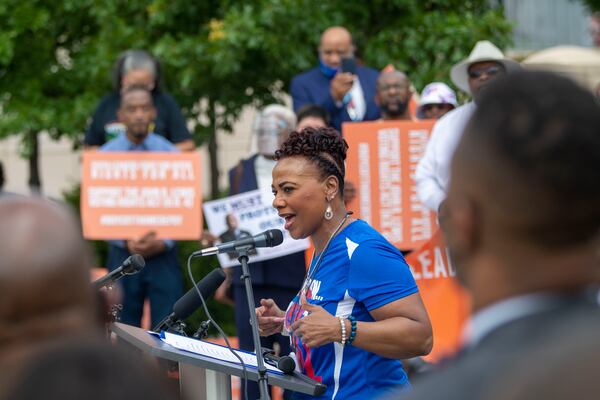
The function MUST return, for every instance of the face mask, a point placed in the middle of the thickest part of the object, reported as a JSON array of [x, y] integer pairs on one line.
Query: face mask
[[267, 135], [267, 143], [327, 70]]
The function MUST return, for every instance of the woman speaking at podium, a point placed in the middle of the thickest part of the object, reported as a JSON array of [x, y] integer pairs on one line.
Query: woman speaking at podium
[[359, 310]]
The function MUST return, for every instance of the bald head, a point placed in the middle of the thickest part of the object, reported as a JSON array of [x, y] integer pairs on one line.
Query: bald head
[[44, 274], [336, 43]]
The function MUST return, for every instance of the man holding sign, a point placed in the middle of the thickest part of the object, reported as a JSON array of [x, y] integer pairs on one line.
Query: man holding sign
[[160, 281]]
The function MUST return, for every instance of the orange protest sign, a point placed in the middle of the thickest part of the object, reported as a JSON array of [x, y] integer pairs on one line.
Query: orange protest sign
[[446, 301], [381, 163], [126, 195]]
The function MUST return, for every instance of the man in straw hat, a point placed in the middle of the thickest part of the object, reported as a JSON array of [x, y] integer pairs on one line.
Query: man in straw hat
[[485, 63]]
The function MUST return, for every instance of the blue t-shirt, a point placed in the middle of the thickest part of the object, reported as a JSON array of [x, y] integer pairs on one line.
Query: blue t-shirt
[[360, 271]]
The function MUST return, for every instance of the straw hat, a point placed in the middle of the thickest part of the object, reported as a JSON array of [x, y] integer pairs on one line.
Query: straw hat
[[484, 50]]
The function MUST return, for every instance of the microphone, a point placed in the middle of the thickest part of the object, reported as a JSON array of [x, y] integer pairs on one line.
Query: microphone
[[132, 265], [284, 363], [189, 302], [270, 238]]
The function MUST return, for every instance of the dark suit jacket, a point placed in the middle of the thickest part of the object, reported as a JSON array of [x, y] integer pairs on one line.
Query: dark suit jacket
[[312, 87], [287, 271], [476, 371]]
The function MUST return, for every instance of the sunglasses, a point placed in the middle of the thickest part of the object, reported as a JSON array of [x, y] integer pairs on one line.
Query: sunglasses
[[489, 71]]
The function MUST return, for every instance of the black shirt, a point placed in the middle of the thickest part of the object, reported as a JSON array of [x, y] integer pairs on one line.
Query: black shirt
[[169, 120]]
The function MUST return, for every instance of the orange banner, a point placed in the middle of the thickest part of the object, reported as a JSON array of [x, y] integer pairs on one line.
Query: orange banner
[[446, 301], [126, 195], [381, 163]]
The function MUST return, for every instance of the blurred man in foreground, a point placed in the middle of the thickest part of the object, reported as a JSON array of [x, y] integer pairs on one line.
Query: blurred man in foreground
[[523, 226], [44, 281]]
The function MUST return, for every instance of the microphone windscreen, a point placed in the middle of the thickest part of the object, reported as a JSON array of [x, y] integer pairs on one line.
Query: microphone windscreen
[[190, 301], [275, 237], [137, 263], [286, 364]]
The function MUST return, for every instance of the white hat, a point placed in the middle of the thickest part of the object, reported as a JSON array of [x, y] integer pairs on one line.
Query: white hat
[[484, 50], [436, 93]]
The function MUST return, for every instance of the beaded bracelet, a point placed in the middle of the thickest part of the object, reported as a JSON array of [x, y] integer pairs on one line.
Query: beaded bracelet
[[352, 329], [343, 326]]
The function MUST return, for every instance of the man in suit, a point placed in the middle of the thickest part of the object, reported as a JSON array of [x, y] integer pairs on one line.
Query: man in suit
[[346, 95], [523, 226], [232, 233]]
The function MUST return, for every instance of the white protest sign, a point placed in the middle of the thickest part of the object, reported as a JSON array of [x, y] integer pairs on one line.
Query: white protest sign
[[248, 214]]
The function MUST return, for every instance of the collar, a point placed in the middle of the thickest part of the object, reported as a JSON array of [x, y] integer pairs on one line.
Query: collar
[[500, 313]]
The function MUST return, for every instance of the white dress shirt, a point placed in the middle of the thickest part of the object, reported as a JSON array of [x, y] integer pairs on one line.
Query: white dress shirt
[[433, 171], [493, 316]]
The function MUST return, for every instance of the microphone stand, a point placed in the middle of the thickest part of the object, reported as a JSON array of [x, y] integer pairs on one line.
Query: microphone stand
[[262, 370]]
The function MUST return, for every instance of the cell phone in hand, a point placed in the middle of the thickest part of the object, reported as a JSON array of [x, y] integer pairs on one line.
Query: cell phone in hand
[[349, 65]]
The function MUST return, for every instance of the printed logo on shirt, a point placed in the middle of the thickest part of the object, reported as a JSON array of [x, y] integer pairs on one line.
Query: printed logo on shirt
[[113, 129], [313, 290]]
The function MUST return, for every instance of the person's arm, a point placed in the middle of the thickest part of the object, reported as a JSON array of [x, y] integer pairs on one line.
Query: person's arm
[[186, 145], [95, 135], [428, 185], [149, 245], [301, 96], [176, 125], [269, 317], [380, 279], [401, 329]]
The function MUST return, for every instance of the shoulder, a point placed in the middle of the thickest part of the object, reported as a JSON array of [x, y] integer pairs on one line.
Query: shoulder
[[116, 144], [160, 143], [455, 118], [458, 113], [367, 72], [306, 76], [164, 98], [108, 101], [363, 241], [244, 163]]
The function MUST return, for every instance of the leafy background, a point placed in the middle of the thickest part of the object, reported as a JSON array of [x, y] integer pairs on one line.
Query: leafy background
[[218, 57]]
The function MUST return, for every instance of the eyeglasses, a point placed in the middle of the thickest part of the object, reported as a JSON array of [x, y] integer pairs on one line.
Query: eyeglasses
[[492, 70]]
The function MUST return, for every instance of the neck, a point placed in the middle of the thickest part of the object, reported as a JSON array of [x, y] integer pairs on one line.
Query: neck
[[328, 229], [405, 116], [135, 139]]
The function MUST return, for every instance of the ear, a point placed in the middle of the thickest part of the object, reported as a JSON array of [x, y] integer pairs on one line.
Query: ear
[[377, 99], [331, 187], [119, 115]]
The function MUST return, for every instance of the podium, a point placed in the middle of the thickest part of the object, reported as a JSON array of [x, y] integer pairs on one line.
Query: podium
[[206, 378]]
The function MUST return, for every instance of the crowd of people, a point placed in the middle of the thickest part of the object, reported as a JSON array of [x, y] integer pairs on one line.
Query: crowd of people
[[511, 173]]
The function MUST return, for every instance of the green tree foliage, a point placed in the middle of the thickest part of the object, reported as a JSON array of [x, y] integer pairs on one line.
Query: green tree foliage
[[56, 56], [218, 56], [592, 5]]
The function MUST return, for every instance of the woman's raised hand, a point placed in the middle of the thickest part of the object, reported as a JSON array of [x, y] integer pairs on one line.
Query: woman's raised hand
[[270, 317]]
